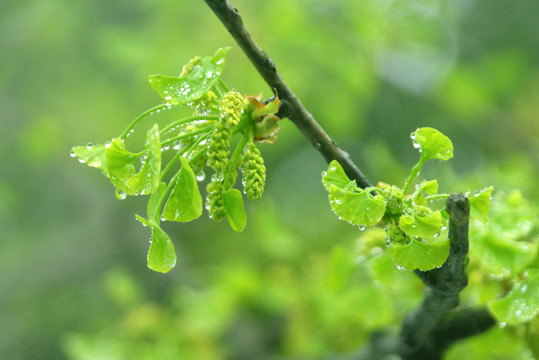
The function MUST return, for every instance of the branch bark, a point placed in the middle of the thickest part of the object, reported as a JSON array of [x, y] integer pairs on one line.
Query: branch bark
[[291, 106]]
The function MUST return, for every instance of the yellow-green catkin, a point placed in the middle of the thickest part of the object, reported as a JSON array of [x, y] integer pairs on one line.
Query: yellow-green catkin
[[207, 101], [254, 172], [218, 147], [214, 200], [187, 68], [230, 109]]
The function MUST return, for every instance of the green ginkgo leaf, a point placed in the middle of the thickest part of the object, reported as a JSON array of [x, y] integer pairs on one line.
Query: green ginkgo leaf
[[152, 208], [185, 202], [120, 163], [161, 255], [335, 176], [175, 90], [147, 180], [360, 208], [432, 144], [93, 155], [424, 226], [502, 256], [521, 304], [233, 203], [480, 204], [419, 255]]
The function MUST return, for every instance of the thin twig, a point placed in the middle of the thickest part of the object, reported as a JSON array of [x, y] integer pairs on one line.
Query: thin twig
[[291, 106]]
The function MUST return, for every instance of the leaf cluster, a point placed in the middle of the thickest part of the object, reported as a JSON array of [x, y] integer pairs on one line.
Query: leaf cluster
[[202, 140], [416, 230]]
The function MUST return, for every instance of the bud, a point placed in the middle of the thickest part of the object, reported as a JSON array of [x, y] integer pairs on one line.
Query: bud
[[394, 199], [395, 235]]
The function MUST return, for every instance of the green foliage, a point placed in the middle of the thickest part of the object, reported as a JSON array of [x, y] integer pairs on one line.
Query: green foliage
[[199, 140], [416, 233], [521, 304]]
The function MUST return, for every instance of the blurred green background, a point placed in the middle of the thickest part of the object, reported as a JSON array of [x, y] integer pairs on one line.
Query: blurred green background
[[73, 277]]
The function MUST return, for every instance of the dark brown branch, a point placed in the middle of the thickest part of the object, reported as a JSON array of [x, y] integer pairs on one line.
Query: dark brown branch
[[435, 325], [291, 107], [418, 335]]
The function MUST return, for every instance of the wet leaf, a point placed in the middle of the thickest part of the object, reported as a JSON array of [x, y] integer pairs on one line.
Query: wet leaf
[[153, 201], [148, 178], [94, 156], [161, 255], [421, 226], [432, 144], [192, 86], [335, 176], [233, 203], [480, 204], [120, 164], [419, 255], [359, 208], [502, 256], [185, 202], [521, 304]]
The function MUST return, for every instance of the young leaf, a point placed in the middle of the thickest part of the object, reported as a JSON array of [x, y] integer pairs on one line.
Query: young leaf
[[421, 226], [359, 208], [426, 187], [335, 176], [419, 255], [153, 202], [94, 156], [233, 203], [193, 85], [148, 178], [432, 144], [521, 304], [480, 204], [185, 202], [502, 256], [120, 163], [161, 255]]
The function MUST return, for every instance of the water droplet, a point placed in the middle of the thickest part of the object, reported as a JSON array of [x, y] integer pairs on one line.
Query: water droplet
[[163, 218], [82, 161], [72, 153], [107, 144], [523, 288], [362, 227], [201, 175], [120, 194], [89, 146], [317, 145]]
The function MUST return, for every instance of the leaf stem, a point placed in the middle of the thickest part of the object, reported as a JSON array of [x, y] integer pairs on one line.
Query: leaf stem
[[235, 157], [437, 197], [181, 152], [189, 134], [186, 120], [217, 91], [139, 118], [223, 85], [413, 173]]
